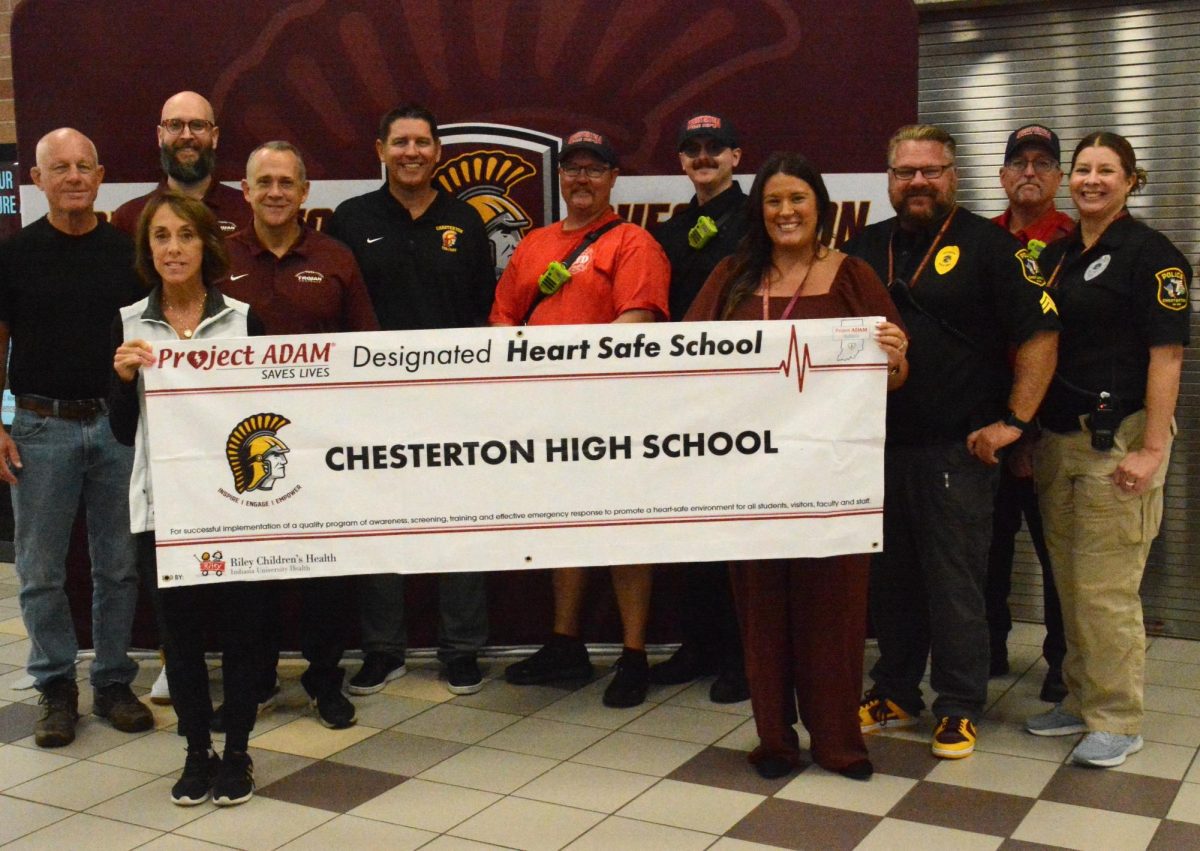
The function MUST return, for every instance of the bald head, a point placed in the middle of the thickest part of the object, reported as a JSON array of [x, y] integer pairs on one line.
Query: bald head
[[188, 105], [56, 141], [68, 173], [187, 142]]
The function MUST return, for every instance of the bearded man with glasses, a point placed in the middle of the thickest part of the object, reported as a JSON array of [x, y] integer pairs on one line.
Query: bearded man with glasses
[[187, 145]]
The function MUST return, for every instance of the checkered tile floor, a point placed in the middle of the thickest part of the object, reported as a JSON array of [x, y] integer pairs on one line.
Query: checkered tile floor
[[547, 768]]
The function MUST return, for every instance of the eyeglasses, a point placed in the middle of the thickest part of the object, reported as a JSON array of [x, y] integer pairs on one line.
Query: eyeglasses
[[174, 126], [693, 148], [1041, 165], [929, 172], [592, 171]]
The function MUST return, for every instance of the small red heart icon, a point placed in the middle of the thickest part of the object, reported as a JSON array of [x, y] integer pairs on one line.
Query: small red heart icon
[[198, 358]]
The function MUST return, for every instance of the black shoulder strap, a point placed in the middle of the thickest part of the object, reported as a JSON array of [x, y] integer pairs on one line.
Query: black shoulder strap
[[571, 258]]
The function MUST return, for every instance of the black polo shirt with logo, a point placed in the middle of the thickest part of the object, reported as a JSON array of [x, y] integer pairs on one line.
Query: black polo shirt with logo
[[978, 295], [690, 267], [314, 288], [1117, 299], [432, 272]]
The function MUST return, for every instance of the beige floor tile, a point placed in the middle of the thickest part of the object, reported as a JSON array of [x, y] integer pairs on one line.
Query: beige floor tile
[[1171, 729], [175, 842], [19, 817], [81, 785], [1013, 740], [1084, 828], [420, 683], [84, 831], [19, 765], [584, 707], [1155, 759], [488, 769], [684, 723], [385, 710], [398, 753], [14, 626], [156, 753], [691, 806], [149, 806], [631, 835], [641, 754], [457, 843], [588, 787], [542, 737], [92, 736], [500, 696], [695, 695], [457, 723], [426, 806], [257, 825], [994, 772], [727, 844], [528, 825], [15, 652], [895, 833], [270, 766], [1178, 701], [1174, 650], [1193, 774], [816, 786], [743, 738], [308, 737], [1187, 804], [354, 832], [1166, 673]]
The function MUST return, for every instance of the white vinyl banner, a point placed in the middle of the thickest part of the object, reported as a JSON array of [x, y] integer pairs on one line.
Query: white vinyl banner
[[507, 448]]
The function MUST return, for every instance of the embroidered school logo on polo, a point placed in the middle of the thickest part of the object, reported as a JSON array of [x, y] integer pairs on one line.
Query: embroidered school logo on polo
[[449, 237], [308, 276], [946, 259], [1097, 268], [1172, 288]]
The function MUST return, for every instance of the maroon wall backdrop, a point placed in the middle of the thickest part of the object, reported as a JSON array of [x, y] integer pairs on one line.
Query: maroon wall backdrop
[[831, 78]]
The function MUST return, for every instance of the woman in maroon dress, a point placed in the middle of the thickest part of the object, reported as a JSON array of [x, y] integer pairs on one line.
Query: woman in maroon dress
[[803, 620]]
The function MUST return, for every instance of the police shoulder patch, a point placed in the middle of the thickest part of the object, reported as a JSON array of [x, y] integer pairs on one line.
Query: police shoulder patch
[[1029, 267], [1172, 288]]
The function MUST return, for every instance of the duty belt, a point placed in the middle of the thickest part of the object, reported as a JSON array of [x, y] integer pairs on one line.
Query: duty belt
[[66, 409]]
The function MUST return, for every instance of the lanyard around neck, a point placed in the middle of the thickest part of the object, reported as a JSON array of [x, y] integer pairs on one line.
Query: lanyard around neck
[[928, 254]]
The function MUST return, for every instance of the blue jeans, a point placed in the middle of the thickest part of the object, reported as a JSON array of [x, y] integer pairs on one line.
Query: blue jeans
[[61, 461]]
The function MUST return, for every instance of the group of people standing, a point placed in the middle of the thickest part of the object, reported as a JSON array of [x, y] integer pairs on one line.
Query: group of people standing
[[1055, 352]]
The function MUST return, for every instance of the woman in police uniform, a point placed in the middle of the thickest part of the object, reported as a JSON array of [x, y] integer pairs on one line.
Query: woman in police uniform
[[1107, 425]]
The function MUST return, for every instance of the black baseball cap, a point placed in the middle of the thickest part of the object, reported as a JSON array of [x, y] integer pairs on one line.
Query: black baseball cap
[[708, 124], [1033, 134], [592, 142]]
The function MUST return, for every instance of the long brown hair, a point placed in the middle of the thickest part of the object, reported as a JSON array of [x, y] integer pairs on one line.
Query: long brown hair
[[215, 263]]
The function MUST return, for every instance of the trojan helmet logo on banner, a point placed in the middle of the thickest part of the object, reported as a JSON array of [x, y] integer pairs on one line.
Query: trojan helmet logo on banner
[[257, 457], [507, 174]]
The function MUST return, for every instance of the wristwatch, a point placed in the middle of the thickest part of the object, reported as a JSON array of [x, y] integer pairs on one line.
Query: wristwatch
[[1017, 423]]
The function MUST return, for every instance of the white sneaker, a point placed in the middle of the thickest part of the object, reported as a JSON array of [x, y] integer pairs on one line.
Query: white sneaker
[[1104, 750], [160, 692]]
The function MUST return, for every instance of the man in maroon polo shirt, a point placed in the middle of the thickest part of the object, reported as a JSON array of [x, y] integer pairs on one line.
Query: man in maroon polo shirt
[[187, 145], [1030, 176], [300, 281]]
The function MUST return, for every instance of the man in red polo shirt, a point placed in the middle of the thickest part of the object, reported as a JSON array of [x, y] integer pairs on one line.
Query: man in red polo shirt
[[1030, 176], [300, 281]]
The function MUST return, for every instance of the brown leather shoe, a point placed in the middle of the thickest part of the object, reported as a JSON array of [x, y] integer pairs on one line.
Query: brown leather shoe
[[60, 711], [118, 703]]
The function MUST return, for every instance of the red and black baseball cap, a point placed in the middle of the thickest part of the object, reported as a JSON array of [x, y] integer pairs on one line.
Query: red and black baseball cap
[[1037, 135], [708, 125], [592, 142]]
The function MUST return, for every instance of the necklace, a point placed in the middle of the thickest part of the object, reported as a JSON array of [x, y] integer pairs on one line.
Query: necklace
[[186, 316], [787, 311]]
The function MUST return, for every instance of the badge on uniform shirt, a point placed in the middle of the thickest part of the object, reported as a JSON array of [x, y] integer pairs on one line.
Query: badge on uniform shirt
[[449, 237], [1029, 267], [946, 259], [1172, 288], [1097, 267]]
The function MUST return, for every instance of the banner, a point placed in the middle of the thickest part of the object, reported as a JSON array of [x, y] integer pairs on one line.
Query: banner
[[510, 448]]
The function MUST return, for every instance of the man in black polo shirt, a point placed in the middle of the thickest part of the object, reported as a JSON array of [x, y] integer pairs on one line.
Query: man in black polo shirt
[[427, 262], [62, 280], [299, 281], [696, 239], [967, 291]]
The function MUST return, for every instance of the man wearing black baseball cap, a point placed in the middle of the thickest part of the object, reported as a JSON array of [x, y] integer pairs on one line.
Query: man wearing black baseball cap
[[697, 238], [1030, 177]]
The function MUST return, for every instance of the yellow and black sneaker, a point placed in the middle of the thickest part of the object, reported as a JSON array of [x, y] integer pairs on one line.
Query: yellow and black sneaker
[[954, 737], [875, 713]]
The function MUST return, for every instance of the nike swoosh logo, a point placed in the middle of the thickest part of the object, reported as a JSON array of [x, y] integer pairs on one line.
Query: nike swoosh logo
[[373, 239], [238, 277]]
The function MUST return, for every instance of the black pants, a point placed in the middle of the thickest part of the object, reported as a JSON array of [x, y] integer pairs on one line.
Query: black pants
[[327, 609], [185, 616], [1016, 497], [707, 617], [926, 590]]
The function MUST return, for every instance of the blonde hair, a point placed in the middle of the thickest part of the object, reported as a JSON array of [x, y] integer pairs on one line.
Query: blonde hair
[[921, 133]]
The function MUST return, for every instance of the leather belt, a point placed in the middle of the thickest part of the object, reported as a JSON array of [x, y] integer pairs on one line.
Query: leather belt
[[66, 409]]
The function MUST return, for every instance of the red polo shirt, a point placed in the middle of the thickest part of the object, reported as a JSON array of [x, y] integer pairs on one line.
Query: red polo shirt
[[1051, 226], [228, 205]]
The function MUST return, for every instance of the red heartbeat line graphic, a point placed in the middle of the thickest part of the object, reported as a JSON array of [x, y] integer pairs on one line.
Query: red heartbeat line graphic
[[802, 361]]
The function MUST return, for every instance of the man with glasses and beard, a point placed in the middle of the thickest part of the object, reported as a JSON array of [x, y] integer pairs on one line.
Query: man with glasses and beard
[[967, 292], [696, 239], [187, 144]]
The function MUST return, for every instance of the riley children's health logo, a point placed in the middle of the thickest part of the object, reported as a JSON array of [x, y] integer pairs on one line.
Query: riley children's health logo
[[211, 563]]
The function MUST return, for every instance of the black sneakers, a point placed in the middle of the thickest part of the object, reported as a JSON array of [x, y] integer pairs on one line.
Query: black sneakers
[[378, 669], [686, 664], [235, 780], [60, 711], [195, 784], [630, 682], [463, 675], [563, 657], [334, 709]]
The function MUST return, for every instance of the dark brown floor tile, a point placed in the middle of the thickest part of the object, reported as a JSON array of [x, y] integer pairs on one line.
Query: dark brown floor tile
[[1022, 845], [331, 786], [960, 808], [727, 769], [791, 824], [1117, 791], [900, 757], [1173, 835], [17, 720]]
